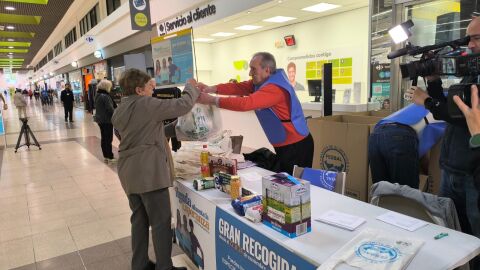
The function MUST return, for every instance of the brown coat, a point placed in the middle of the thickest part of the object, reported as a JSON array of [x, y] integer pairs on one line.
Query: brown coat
[[145, 162]]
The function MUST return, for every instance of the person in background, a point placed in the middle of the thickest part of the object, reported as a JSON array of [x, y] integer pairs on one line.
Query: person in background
[[456, 157], [292, 72], [145, 164], [472, 116], [399, 141], [104, 107], [233, 81], [67, 99], [276, 105], [5, 106], [20, 103]]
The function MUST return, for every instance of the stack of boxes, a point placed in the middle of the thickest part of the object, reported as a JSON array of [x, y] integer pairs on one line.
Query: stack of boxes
[[286, 204]]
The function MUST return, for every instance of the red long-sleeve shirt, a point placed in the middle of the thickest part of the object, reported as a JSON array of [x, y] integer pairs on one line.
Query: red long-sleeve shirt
[[269, 96]]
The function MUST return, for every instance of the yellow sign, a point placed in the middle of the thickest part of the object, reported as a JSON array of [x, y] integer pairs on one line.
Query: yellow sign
[[140, 19]]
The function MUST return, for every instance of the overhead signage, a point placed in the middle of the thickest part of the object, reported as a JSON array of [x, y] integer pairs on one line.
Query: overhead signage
[[186, 20], [89, 39], [204, 14], [140, 14]]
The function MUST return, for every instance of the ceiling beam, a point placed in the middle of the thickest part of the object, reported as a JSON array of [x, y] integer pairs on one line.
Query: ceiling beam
[[17, 34], [19, 19], [38, 2]]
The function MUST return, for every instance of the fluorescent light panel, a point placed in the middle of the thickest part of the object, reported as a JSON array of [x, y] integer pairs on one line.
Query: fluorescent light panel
[[203, 39], [248, 27], [279, 19], [222, 34], [321, 7], [10, 8]]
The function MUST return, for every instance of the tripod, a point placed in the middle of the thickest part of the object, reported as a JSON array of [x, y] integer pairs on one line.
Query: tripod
[[27, 132]]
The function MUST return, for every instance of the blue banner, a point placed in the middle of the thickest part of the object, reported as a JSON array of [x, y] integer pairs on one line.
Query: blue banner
[[239, 246]]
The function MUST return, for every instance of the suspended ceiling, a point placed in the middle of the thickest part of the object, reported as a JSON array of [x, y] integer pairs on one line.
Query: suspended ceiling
[[32, 22]]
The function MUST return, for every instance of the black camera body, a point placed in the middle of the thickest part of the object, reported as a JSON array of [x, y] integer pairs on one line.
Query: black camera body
[[459, 66]]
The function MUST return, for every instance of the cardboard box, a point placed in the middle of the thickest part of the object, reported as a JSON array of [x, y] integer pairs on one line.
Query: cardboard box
[[380, 113], [341, 144], [286, 204]]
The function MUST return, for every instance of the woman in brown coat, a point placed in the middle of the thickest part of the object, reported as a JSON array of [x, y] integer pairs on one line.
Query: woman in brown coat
[[144, 164]]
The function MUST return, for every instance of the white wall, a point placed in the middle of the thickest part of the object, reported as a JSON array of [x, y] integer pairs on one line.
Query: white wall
[[344, 31]]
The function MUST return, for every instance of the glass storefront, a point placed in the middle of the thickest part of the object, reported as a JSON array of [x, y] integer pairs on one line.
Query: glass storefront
[[77, 87]]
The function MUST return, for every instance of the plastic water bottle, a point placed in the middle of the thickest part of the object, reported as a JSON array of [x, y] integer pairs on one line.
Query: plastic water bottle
[[204, 160]]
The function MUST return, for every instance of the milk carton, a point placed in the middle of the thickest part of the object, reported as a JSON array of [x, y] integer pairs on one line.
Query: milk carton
[[286, 204]]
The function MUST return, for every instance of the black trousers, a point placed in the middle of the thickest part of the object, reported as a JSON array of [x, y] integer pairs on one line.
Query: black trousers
[[106, 132], [68, 112], [299, 153], [151, 209]]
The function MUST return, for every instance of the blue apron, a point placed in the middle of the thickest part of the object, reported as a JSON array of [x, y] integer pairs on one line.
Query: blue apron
[[411, 115], [271, 124]]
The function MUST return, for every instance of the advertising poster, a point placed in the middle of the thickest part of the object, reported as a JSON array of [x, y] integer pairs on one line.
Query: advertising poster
[[194, 230], [381, 85], [241, 247], [173, 58], [304, 66]]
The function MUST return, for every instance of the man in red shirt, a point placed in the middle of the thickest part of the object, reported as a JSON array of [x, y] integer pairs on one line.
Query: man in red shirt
[[276, 105]]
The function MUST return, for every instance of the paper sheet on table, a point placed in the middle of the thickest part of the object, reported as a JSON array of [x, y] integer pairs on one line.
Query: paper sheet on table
[[342, 220], [251, 177], [402, 221]]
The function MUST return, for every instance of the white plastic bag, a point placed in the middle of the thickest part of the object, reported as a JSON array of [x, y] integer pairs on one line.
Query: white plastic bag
[[201, 123]]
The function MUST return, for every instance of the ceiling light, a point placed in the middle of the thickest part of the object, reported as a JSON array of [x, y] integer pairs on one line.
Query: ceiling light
[[74, 64], [10, 8], [203, 39], [248, 27], [223, 34], [10, 27], [51, 74], [10, 39], [10, 53], [320, 7], [97, 54], [279, 19], [10, 47]]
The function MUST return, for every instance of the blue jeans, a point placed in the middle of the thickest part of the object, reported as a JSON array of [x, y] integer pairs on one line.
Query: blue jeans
[[462, 191], [393, 155]]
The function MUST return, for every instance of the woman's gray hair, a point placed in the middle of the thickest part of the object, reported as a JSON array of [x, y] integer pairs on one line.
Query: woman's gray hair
[[267, 60], [104, 85]]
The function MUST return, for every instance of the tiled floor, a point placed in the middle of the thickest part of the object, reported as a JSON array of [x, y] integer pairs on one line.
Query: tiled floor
[[61, 207]]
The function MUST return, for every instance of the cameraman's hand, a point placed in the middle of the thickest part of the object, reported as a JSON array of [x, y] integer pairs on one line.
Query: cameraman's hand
[[416, 94], [472, 115]]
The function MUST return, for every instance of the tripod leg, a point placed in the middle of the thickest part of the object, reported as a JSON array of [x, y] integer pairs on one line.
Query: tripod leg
[[27, 138], [34, 139], [19, 138]]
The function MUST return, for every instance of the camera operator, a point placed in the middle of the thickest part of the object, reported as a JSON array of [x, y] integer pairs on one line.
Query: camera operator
[[472, 115], [457, 158]]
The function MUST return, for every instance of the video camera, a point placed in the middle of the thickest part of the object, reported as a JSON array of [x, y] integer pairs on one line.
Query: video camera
[[432, 62]]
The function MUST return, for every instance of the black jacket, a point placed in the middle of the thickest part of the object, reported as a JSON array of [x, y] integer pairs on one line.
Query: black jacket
[[67, 98], [104, 107], [456, 156]]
